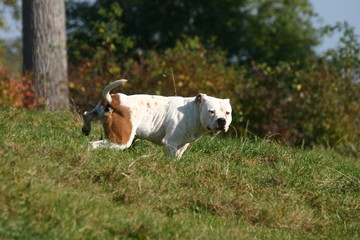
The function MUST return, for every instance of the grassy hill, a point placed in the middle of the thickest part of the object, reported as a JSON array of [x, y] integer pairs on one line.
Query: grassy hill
[[52, 186]]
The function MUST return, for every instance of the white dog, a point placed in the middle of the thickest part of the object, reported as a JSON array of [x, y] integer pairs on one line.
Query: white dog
[[172, 122]]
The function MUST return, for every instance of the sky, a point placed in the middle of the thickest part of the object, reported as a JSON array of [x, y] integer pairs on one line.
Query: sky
[[329, 11], [332, 11]]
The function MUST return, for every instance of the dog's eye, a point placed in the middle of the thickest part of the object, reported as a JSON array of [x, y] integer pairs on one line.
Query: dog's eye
[[212, 111], [227, 113]]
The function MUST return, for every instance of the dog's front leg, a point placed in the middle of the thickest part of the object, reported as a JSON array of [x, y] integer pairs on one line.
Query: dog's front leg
[[88, 116], [181, 150], [174, 150]]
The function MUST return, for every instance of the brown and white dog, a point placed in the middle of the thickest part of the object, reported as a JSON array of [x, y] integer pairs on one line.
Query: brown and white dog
[[172, 122]]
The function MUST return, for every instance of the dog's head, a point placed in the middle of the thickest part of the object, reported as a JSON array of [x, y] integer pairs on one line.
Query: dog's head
[[215, 113]]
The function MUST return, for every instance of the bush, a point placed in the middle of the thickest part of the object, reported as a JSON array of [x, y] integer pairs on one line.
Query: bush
[[16, 91], [186, 70], [316, 103], [189, 65]]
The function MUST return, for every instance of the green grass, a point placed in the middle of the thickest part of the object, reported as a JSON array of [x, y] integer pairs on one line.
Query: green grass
[[52, 186]]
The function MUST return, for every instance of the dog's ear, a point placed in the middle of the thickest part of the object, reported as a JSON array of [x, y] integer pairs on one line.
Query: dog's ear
[[200, 98]]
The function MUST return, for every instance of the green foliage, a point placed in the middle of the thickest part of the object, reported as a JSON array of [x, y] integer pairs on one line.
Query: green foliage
[[269, 31], [96, 33], [55, 187], [279, 31]]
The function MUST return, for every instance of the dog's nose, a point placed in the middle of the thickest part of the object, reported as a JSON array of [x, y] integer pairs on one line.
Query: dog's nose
[[221, 122]]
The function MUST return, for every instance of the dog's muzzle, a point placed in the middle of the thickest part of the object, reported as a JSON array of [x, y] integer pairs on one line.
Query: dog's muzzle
[[221, 122]]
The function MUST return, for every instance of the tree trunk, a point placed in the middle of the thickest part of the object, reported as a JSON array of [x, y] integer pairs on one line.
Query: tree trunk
[[44, 51]]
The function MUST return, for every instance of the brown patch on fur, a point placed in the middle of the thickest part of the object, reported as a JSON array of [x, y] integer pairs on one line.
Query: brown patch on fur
[[117, 124]]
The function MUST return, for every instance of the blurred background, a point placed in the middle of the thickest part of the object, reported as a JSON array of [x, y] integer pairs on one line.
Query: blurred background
[[290, 67]]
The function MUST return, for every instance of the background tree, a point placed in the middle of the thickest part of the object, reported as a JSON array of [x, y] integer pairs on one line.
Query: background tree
[[261, 30], [44, 51], [279, 30], [95, 30]]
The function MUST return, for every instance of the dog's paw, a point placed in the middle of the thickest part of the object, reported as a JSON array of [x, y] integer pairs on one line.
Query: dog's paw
[[86, 131], [95, 144]]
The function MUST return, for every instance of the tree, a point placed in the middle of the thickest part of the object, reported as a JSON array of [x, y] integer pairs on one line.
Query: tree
[[261, 30], [280, 30], [95, 30], [44, 51]]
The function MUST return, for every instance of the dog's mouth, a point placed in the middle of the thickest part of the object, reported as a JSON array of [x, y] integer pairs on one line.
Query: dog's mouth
[[217, 128]]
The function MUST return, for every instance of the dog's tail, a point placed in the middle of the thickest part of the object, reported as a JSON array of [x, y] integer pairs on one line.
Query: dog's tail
[[106, 92]]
